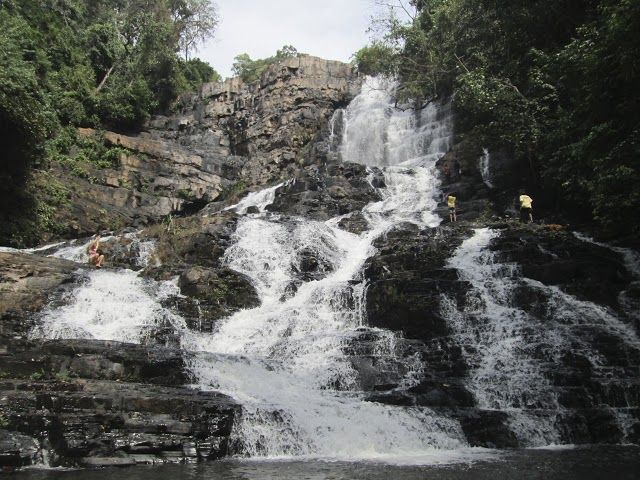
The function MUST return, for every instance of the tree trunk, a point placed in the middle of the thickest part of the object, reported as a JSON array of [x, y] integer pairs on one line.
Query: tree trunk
[[104, 79]]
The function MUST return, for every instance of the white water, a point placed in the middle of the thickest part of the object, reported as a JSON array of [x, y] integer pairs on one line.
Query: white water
[[509, 350], [286, 360], [109, 305], [495, 338], [485, 169], [260, 199]]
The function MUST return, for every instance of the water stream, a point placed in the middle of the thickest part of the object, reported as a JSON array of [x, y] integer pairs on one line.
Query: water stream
[[512, 350]]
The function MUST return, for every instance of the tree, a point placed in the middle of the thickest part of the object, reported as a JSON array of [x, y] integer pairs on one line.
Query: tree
[[197, 72], [196, 21], [376, 59], [287, 51]]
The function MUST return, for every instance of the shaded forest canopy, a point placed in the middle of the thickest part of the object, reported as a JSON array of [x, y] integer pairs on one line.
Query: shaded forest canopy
[[100, 63], [555, 82]]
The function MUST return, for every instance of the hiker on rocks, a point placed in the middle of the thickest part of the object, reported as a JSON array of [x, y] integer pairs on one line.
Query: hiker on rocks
[[451, 203], [525, 207], [95, 254]]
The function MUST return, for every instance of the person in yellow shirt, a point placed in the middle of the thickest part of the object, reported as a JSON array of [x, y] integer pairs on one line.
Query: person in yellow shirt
[[451, 203], [525, 208]]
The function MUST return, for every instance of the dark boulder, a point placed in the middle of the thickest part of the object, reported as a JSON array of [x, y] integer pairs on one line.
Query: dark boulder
[[218, 292]]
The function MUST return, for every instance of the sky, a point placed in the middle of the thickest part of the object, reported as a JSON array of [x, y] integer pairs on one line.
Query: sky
[[331, 29]]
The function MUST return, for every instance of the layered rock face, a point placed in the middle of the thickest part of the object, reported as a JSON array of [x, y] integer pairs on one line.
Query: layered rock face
[[227, 139], [92, 402], [550, 280]]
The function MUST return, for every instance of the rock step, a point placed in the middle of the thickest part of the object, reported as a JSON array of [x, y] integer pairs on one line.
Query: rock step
[[94, 359], [105, 419]]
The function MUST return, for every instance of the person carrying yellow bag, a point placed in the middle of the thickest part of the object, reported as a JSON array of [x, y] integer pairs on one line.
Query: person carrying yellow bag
[[451, 203], [526, 208]]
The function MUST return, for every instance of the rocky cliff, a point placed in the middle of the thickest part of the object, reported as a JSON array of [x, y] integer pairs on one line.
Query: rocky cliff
[[227, 139]]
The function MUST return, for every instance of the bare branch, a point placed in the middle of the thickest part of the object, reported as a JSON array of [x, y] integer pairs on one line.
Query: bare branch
[[461, 62], [399, 5], [104, 79]]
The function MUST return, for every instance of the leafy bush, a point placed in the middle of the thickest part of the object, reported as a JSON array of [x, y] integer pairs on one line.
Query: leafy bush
[[251, 70]]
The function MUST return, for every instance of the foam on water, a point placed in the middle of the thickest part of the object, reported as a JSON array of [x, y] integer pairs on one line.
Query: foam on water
[[509, 350], [109, 305], [259, 199]]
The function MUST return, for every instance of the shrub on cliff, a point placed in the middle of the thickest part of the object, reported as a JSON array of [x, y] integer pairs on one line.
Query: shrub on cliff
[[251, 70]]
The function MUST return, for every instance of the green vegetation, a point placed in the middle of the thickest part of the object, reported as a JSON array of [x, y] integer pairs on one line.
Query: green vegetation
[[71, 63], [72, 149], [552, 81], [251, 70]]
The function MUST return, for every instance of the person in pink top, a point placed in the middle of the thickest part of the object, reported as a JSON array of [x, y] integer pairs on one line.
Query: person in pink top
[[93, 249]]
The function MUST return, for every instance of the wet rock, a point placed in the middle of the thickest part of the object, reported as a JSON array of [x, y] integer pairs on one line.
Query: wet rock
[[355, 223], [311, 266], [186, 242], [17, 450], [437, 393], [107, 420], [219, 293], [488, 428], [407, 278], [27, 283], [558, 258], [322, 194]]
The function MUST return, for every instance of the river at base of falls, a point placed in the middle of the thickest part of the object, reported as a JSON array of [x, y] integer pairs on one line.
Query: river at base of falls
[[587, 463]]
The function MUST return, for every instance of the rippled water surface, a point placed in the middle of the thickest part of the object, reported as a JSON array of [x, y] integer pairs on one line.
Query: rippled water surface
[[590, 463]]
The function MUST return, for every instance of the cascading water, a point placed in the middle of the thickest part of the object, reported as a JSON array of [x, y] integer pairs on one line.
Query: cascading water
[[109, 304], [260, 199], [485, 170], [511, 352], [286, 360], [503, 374]]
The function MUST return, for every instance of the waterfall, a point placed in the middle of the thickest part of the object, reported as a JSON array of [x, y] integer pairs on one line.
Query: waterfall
[[287, 361], [485, 170], [512, 352], [375, 133]]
